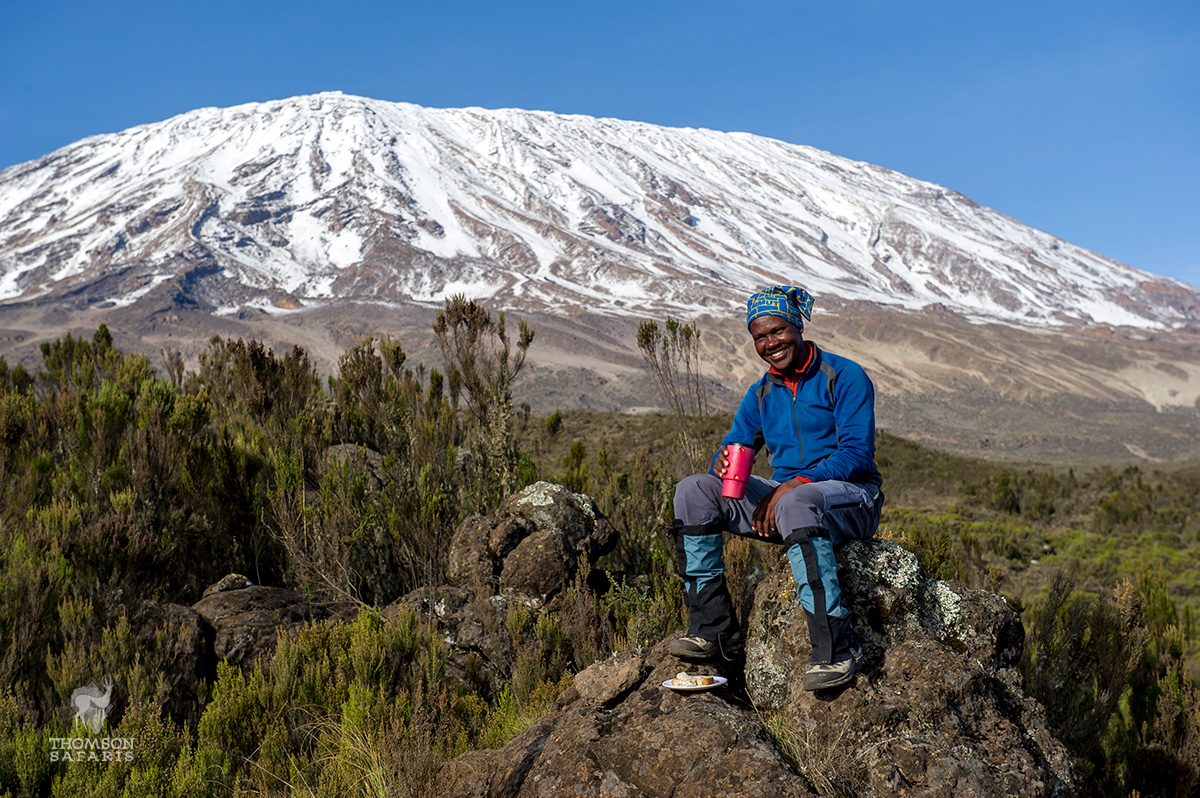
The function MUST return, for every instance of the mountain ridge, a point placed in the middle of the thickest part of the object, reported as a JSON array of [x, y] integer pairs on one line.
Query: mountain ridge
[[329, 196]]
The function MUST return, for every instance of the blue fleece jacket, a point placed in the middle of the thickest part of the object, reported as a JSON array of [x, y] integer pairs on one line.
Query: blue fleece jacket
[[825, 430]]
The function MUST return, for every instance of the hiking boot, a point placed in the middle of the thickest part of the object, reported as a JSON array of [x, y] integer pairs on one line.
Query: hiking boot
[[692, 647], [698, 648], [824, 677]]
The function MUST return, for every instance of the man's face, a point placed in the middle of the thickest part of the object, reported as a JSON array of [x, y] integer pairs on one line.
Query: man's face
[[778, 342]]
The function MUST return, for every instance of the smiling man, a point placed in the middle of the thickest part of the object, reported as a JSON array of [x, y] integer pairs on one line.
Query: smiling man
[[815, 414]]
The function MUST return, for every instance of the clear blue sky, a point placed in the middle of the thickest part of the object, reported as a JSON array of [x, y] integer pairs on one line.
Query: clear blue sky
[[1079, 118]]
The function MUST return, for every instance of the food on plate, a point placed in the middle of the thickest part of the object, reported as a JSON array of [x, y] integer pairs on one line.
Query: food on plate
[[683, 680]]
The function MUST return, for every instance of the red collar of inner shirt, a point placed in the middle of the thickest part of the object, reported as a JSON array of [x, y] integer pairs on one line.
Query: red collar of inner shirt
[[793, 383]]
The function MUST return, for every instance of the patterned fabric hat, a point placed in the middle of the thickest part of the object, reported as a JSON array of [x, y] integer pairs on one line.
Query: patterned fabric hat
[[789, 301]]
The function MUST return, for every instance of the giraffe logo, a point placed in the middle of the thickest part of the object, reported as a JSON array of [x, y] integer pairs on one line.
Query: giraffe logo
[[91, 704]]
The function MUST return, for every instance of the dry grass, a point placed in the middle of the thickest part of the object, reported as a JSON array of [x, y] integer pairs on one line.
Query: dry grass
[[835, 760]]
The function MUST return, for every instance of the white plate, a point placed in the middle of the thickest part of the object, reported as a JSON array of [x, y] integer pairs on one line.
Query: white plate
[[717, 682]]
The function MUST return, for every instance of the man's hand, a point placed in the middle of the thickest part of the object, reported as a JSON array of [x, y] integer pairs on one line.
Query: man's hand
[[722, 463], [764, 514]]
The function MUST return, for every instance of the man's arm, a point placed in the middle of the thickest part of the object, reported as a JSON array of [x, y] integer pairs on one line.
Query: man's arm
[[746, 429], [854, 414]]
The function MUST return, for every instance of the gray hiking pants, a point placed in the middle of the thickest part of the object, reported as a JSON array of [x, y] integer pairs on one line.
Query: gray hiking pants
[[812, 520]]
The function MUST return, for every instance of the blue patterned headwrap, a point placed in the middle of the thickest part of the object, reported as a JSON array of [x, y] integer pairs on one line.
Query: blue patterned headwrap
[[789, 301]]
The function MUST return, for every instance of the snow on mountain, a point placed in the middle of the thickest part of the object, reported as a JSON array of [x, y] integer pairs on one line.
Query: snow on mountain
[[301, 201]]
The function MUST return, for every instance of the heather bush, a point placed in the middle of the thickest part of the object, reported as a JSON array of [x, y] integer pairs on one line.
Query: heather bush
[[638, 503], [122, 488], [641, 617], [25, 767], [163, 763], [334, 693], [1116, 688], [31, 583], [481, 365], [353, 708]]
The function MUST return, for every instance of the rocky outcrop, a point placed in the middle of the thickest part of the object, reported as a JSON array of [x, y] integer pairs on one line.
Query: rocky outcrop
[[533, 546], [938, 707], [182, 642], [479, 652], [619, 732], [247, 617], [525, 554]]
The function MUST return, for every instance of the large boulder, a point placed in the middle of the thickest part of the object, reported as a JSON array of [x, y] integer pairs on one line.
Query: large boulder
[[938, 707], [619, 732], [478, 649], [523, 556], [247, 617], [532, 546]]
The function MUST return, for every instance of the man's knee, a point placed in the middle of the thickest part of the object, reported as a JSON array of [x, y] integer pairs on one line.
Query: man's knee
[[698, 490], [801, 507], [806, 496]]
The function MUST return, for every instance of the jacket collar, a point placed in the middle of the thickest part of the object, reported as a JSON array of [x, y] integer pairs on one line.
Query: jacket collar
[[810, 368]]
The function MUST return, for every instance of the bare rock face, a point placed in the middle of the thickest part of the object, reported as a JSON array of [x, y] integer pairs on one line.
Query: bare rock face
[[604, 681], [247, 620], [533, 545], [525, 554], [478, 649], [937, 708], [630, 736]]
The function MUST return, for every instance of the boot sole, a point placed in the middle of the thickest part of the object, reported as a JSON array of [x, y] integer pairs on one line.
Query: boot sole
[[838, 682], [815, 688], [692, 655]]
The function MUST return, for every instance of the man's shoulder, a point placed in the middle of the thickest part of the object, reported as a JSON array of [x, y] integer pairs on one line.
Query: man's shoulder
[[765, 379], [841, 364], [757, 391]]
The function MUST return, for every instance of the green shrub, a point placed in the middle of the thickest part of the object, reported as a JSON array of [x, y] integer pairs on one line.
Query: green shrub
[[25, 766], [339, 703], [1116, 689], [159, 762], [511, 715]]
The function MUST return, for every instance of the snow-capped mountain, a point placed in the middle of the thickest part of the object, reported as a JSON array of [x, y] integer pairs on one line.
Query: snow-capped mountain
[[300, 201]]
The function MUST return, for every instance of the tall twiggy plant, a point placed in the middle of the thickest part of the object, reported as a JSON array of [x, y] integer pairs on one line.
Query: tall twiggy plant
[[481, 363], [672, 353]]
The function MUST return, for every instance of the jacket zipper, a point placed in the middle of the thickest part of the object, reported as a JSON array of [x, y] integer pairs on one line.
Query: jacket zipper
[[796, 424]]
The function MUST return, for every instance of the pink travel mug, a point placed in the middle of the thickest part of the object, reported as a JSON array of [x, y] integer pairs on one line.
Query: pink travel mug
[[737, 473]]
